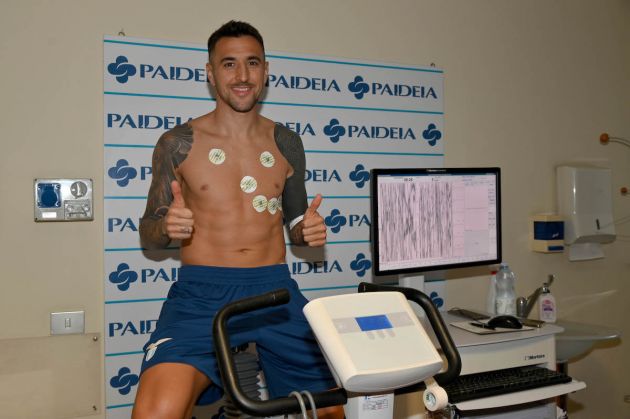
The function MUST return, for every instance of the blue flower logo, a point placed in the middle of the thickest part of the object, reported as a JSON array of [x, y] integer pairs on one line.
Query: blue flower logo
[[334, 130], [431, 134], [358, 87], [123, 277], [122, 172], [437, 300], [360, 265], [121, 69], [359, 176], [335, 220], [124, 380]]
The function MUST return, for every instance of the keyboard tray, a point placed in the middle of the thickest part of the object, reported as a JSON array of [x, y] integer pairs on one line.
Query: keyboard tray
[[510, 380]]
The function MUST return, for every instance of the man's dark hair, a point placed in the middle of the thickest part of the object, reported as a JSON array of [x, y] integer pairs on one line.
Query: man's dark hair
[[233, 29]]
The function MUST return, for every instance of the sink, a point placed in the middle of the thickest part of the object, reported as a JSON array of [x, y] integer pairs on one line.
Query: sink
[[578, 338]]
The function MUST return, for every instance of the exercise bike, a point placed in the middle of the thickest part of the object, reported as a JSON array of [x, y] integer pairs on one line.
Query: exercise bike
[[374, 345]]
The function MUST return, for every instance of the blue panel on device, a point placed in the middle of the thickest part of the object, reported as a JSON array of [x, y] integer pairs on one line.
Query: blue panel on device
[[49, 195], [369, 323], [548, 230]]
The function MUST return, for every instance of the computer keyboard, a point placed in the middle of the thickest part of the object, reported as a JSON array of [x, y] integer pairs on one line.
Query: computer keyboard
[[494, 383]]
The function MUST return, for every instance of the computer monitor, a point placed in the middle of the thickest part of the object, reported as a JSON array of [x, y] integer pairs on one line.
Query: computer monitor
[[430, 219]]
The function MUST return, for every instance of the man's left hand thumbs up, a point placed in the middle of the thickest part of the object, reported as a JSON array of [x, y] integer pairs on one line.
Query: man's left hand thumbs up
[[313, 225]]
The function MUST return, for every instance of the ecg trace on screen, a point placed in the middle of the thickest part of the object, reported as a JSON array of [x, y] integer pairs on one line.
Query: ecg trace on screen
[[436, 220], [415, 220]]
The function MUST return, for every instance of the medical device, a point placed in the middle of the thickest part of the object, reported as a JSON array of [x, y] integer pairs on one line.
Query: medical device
[[373, 343], [430, 219]]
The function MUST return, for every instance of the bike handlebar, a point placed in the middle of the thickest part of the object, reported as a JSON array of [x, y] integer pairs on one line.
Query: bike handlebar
[[287, 405], [279, 406]]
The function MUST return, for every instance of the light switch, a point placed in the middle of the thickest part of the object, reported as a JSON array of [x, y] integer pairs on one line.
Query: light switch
[[67, 322]]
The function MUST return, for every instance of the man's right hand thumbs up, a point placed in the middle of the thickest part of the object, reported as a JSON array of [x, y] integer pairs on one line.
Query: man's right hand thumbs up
[[178, 198], [179, 222]]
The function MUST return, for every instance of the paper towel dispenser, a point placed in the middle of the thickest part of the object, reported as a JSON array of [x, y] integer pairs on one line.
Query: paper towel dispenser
[[585, 203]]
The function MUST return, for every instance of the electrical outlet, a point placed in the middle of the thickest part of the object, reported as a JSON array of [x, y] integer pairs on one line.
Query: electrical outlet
[[67, 322], [63, 200]]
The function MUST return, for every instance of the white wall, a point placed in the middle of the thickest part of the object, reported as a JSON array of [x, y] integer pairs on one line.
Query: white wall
[[529, 85]]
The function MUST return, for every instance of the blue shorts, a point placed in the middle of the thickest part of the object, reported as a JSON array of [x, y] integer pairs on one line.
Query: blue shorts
[[287, 350]]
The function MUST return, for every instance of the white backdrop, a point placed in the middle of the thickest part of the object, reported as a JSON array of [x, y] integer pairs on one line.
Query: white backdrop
[[352, 115]]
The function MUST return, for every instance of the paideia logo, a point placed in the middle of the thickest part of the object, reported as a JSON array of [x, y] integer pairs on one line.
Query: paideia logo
[[122, 225], [316, 267], [299, 127], [437, 300], [144, 121], [122, 172], [359, 87], [432, 134], [359, 176], [124, 381], [336, 220], [335, 131], [302, 83], [131, 327], [360, 265], [322, 175], [122, 70], [124, 276]]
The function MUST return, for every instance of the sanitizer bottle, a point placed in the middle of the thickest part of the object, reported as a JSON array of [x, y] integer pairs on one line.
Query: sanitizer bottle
[[506, 292], [547, 304]]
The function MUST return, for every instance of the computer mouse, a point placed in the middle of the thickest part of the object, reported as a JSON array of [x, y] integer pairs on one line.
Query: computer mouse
[[506, 321]]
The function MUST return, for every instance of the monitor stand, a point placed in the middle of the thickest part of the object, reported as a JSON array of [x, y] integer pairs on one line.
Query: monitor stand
[[414, 281]]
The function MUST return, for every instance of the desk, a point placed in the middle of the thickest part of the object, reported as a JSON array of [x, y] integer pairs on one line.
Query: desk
[[480, 353]]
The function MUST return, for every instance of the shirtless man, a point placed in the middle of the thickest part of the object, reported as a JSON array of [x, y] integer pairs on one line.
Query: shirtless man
[[222, 184]]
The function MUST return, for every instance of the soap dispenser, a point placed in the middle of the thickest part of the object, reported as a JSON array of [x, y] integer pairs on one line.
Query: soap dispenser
[[547, 309]]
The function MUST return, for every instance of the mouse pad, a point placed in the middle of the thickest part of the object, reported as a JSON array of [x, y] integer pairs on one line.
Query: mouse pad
[[481, 331]]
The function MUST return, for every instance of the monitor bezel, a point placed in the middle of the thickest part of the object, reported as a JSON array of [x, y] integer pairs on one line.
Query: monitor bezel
[[375, 173]]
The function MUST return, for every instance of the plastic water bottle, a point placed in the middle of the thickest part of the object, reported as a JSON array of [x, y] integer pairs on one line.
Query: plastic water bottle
[[491, 301], [506, 292]]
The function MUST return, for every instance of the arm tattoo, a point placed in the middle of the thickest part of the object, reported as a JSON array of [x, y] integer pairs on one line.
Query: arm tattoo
[[170, 151], [294, 202]]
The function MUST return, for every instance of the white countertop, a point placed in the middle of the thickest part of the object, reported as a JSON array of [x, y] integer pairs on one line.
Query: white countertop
[[463, 338]]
